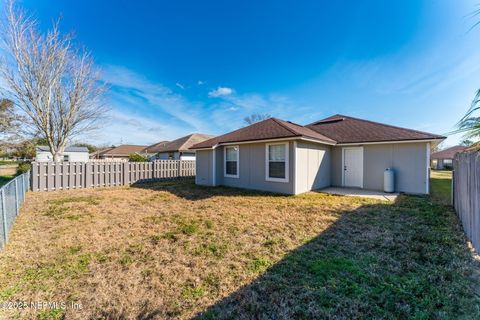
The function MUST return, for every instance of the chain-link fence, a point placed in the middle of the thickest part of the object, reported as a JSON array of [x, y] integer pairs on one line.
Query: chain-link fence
[[12, 196]]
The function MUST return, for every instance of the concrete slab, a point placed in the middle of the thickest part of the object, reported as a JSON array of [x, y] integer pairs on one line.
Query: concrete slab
[[353, 192]]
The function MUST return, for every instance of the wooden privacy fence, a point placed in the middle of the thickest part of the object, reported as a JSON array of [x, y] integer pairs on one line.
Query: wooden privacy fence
[[466, 193], [50, 176]]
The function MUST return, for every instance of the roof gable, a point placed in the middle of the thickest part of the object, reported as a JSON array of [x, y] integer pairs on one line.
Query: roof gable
[[184, 143]]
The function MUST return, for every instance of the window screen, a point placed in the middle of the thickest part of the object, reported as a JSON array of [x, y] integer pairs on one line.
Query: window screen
[[231, 161], [276, 161]]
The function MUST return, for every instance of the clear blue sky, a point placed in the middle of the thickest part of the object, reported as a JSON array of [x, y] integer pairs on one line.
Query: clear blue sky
[[178, 67]]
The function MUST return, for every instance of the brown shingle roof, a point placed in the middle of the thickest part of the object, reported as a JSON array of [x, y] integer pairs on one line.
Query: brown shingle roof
[[124, 150], [154, 148], [448, 153], [184, 143], [267, 129], [345, 129], [334, 129], [100, 152]]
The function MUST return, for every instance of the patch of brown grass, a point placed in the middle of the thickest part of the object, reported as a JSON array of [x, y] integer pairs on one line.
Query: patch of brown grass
[[168, 250], [122, 251]]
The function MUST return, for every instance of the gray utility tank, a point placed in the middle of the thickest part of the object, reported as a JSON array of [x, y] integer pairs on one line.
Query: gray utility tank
[[389, 180]]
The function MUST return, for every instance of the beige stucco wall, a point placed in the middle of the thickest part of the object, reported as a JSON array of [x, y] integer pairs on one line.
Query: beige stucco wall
[[313, 166], [409, 160]]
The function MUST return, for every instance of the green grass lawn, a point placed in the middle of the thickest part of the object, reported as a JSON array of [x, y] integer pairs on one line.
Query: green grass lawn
[[6, 162], [441, 186], [173, 250]]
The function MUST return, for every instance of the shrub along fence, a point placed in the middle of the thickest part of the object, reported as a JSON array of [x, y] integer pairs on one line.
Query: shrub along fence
[[466, 193], [12, 196], [50, 176]]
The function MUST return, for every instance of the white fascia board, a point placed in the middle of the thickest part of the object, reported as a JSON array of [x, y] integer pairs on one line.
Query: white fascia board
[[387, 142], [267, 140]]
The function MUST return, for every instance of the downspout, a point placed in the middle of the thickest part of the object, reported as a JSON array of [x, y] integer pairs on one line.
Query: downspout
[[214, 167], [295, 162]]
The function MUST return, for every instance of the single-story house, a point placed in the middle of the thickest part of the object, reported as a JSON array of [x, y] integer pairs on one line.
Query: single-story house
[[71, 154], [281, 156], [179, 149], [443, 159], [155, 148], [99, 152], [122, 152]]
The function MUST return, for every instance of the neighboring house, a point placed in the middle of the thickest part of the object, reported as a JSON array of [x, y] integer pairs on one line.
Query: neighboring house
[[122, 152], [153, 149], [179, 149], [284, 157], [71, 154], [99, 153], [443, 159]]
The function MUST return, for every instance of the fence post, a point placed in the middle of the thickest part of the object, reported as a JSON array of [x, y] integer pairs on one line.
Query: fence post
[[35, 171], [17, 207], [179, 168], [125, 169], [4, 217], [88, 175], [452, 192]]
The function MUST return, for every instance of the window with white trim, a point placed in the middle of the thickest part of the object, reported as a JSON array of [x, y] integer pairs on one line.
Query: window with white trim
[[231, 161], [277, 162]]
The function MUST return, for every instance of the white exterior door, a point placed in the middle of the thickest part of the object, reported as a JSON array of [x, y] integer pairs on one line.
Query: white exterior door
[[353, 167]]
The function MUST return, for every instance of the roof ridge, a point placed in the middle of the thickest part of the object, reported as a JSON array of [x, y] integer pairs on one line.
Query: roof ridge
[[279, 121], [137, 145], [304, 128], [457, 146], [190, 136], [377, 123], [325, 119]]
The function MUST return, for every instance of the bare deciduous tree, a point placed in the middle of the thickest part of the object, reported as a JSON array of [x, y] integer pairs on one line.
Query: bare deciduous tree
[[53, 85], [7, 116], [256, 117]]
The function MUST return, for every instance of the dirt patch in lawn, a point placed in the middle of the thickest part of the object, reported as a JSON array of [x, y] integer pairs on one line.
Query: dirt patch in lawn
[[176, 250]]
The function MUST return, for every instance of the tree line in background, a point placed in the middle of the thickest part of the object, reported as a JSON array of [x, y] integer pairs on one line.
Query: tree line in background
[[25, 149]]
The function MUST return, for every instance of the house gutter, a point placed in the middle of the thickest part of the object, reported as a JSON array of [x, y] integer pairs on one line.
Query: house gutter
[[389, 142], [265, 140], [317, 141]]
